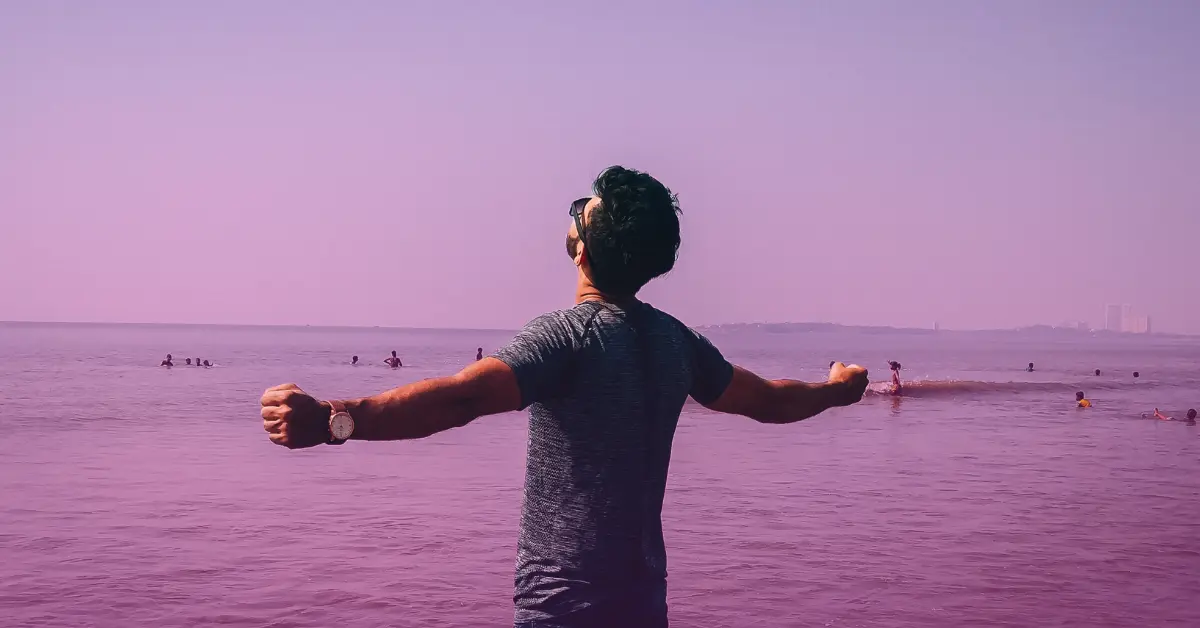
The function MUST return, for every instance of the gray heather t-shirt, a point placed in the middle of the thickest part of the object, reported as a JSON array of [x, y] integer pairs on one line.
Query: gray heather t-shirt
[[604, 387]]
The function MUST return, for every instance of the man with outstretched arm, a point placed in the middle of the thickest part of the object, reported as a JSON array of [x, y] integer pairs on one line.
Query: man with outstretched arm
[[605, 382]]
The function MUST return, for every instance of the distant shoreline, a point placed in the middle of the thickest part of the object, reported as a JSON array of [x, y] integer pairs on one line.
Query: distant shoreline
[[1027, 330], [245, 326], [779, 328]]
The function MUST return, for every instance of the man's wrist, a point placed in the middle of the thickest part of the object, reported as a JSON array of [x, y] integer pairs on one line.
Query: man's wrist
[[326, 415], [836, 394], [354, 407]]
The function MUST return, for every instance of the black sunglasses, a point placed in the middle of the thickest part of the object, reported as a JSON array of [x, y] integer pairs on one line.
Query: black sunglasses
[[577, 212]]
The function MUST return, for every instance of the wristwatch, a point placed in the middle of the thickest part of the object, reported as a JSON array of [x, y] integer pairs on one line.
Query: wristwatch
[[341, 424]]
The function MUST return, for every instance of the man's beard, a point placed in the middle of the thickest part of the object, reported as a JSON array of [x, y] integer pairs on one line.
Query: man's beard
[[572, 246]]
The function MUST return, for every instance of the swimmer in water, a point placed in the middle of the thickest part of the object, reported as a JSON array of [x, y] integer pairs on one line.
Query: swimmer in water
[[393, 361], [1081, 402], [1029, 369], [479, 354], [1190, 417], [1136, 375], [897, 387], [206, 364], [188, 361], [1097, 372], [354, 360], [167, 362], [197, 361]]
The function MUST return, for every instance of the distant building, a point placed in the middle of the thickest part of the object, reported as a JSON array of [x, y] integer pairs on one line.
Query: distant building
[[936, 326], [1112, 318], [1128, 322], [1141, 325]]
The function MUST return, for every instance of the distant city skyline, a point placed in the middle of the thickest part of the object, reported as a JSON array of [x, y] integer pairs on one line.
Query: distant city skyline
[[986, 166], [1123, 318]]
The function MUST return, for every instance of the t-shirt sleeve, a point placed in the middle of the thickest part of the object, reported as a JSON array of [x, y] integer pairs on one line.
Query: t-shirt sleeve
[[540, 356], [711, 372]]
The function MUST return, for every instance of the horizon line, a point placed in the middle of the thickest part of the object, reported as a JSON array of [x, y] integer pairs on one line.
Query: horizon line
[[501, 329]]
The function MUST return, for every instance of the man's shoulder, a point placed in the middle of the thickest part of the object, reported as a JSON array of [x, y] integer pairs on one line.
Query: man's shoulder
[[573, 318], [560, 327], [668, 323], [585, 317]]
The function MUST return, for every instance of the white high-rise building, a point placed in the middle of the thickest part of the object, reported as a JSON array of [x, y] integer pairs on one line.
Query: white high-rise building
[[1122, 318], [1112, 318]]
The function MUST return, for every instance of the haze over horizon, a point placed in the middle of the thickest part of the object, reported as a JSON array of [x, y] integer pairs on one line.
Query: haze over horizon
[[515, 328], [983, 165]]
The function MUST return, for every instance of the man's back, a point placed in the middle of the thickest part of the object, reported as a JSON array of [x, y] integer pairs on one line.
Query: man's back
[[605, 387]]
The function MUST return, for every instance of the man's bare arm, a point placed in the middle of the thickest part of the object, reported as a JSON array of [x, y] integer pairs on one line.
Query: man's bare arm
[[296, 420], [788, 401], [430, 406]]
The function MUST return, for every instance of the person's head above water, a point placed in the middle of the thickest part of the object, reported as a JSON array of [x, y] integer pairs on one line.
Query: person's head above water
[[1191, 414], [393, 354], [354, 358], [1079, 396], [625, 234], [1136, 374], [1097, 371]]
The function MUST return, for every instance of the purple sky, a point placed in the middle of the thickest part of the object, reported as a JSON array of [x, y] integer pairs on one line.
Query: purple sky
[[982, 164]]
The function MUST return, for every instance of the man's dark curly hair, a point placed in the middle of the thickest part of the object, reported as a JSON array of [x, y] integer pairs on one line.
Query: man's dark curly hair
[[633, 234]]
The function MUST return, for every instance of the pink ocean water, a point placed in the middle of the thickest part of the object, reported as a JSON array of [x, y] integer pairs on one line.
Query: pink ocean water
[[137, 496]]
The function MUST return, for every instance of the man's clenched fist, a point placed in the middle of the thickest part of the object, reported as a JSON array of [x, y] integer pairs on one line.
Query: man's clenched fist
[[293, 418]]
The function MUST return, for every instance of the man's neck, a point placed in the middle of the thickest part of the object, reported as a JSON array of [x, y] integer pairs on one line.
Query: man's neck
[[585, 291]]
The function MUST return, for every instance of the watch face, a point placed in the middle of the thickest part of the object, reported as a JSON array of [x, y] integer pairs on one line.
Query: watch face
[[341, 426]]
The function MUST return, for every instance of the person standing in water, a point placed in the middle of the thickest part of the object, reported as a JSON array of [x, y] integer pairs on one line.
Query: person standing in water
[[1080, 401], [897, 388], [1029, 369], [605, 382], [479, 354], [393, 361]]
